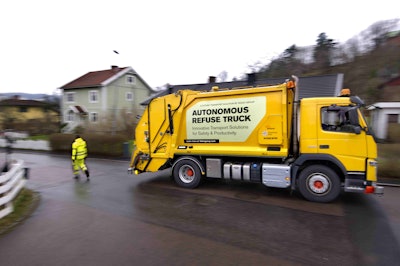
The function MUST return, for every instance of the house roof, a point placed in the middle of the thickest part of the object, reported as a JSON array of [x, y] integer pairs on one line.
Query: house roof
[[19, 102], [94, 78], [392, 82], [16, 102], [384, 105], [314, 86], [101, 78], [78, 109], [393, 34]]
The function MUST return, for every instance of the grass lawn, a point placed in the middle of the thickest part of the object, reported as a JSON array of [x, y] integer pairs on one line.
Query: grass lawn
[[24, 204]]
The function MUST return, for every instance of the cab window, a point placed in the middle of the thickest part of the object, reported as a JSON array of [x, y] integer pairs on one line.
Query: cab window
[[340, 119]]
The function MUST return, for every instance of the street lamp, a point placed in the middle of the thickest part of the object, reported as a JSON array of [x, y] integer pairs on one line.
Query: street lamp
[[116, 95]]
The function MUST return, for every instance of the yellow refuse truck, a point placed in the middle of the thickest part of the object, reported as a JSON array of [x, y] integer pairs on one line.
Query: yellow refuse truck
[[317, 146]]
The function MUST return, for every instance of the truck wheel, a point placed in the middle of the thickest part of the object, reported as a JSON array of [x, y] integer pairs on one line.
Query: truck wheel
[[187, 174], [319, 183]]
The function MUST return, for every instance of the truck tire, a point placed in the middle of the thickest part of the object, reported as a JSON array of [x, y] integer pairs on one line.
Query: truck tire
[[319, 183], [187, 174]]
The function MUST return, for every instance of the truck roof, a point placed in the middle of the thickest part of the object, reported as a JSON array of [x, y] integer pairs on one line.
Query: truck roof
[[327, 100]]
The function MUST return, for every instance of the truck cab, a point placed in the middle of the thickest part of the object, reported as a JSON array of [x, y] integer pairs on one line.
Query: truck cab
[[334, 134]]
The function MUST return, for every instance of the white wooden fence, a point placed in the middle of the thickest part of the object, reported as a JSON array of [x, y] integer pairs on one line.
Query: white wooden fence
[[11, 182], [28, 144]]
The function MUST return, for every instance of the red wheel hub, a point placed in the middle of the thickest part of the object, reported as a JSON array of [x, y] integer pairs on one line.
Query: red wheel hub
[[189, 172], [318, 184]]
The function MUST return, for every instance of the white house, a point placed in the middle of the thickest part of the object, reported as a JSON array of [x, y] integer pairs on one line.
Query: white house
[[110, 96], [382, 114], [387, 110]]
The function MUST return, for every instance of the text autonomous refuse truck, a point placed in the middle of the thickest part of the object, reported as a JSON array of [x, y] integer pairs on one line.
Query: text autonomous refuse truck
[[318, 146]]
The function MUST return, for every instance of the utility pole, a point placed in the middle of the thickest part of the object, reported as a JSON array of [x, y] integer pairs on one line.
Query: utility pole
[[115, 104]]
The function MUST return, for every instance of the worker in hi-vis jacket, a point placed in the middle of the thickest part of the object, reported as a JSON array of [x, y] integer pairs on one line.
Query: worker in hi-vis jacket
[[79, 154]]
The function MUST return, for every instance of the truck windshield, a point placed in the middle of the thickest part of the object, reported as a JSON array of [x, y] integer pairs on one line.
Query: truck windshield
[[365, 125]]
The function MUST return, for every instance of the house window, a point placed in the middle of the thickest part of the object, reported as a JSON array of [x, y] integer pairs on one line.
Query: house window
[[23, 109], [70, 116], [93, 96], [130, 79], [393, 118], [129, 96], [70, 97], [94, 117]]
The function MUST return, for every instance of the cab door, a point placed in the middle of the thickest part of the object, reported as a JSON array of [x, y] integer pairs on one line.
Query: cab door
[[341, 136]]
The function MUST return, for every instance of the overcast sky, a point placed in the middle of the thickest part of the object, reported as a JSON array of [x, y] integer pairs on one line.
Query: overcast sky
[[47, 43]]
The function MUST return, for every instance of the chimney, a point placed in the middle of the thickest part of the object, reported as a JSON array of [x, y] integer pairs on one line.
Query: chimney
[[114, 68], [211, 79], [251, 79]]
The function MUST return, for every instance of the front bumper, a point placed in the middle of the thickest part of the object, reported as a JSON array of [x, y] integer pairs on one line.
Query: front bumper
[[362, 186]]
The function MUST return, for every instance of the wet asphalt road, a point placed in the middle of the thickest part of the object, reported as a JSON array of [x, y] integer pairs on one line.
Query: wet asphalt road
[[120, 219]]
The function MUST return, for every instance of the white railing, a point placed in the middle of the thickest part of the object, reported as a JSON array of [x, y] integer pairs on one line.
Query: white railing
[[11, 182], [27, 144]]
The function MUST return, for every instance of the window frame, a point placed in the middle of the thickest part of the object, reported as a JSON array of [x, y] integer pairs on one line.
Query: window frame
[[130, 79], [93, 93], [68, 95], [127, 98], [94, 115], [70, 117]]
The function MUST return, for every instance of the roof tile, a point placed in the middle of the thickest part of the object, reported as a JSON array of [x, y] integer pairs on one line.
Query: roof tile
[[93, 79]]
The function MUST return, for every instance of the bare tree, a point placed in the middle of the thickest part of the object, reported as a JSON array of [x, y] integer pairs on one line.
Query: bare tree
[[352, 48], [223, 76], [376, 34], [255, 67]]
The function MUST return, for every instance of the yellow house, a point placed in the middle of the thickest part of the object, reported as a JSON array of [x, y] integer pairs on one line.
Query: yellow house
[[34, 117]]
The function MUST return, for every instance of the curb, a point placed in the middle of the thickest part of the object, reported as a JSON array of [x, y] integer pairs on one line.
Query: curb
[[388, 184]]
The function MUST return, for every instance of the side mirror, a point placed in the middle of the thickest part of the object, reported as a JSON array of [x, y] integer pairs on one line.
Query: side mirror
[[357, 100], [357, 129]]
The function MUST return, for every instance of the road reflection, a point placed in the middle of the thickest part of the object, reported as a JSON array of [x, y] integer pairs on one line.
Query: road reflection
[[259, 222], [81, 189]]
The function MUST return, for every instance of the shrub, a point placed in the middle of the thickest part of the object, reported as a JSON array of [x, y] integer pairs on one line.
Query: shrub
[[388, 160], [110, 145], [60, 142], [97, 144], [394, 133], [35, 127]]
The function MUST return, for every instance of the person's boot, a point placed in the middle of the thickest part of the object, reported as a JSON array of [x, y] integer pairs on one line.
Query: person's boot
[[87, 174], [76, 177]]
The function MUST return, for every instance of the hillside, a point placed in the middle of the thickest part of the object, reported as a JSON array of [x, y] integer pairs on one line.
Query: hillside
[[367, 60], [365, 73]]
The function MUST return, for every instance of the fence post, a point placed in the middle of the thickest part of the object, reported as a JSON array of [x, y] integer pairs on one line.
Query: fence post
[[11, 183]]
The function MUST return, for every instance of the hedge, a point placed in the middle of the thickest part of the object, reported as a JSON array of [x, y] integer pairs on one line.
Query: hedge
[[103, 145]]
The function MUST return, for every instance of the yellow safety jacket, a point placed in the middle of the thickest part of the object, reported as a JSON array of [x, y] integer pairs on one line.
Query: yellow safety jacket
[[79, 150]]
